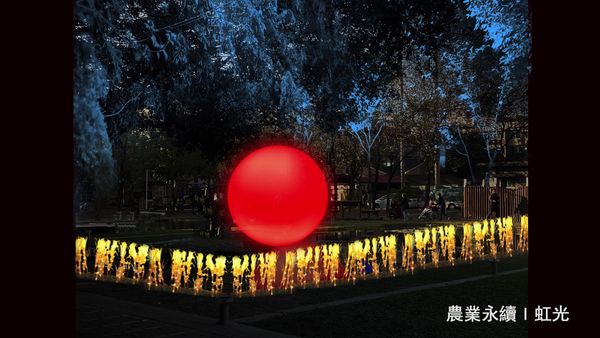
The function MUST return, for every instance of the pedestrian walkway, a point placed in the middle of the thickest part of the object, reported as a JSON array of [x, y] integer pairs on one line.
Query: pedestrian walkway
[[269, 315], [101, 316]]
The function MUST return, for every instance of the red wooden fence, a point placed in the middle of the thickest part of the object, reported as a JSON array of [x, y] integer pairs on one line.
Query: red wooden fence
[[477, 201]]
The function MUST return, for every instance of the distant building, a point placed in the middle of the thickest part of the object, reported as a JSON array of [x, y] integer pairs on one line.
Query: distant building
[[415, 176], [510, 173]]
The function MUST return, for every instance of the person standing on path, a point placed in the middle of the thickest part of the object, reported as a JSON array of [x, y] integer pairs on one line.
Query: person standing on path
[[442, 206], [494, 205], [404, 206], [522, 207]]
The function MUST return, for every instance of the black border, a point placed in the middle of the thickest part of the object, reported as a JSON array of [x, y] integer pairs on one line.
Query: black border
[[39, 141], [562, 151], [562, 181]]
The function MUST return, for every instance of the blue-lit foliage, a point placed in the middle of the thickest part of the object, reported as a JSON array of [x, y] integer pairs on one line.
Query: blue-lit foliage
[[212, 73]]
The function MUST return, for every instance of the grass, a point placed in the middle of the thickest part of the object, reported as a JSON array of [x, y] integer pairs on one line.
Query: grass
[[418, 314], [236, 243], [183, 239], [249, 306]]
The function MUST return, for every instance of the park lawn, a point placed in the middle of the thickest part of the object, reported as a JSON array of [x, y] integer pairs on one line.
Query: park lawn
[[236, 243], [250, 306], [183, 239], [148, 236], [418, 314]]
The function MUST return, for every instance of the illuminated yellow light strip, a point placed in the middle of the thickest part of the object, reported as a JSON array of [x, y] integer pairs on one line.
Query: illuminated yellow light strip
[[312, 266]]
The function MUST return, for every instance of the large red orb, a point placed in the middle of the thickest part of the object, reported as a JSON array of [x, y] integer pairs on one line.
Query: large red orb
[[277, 195]]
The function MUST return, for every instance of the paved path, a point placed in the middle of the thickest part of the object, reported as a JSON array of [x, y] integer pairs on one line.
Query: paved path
[[100, 316], [252, 319]]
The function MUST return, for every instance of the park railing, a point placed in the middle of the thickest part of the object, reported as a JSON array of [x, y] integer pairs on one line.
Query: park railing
[[320, 265], [476, 201]]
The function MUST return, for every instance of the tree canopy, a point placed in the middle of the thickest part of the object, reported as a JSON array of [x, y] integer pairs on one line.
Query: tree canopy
[[205, 77]]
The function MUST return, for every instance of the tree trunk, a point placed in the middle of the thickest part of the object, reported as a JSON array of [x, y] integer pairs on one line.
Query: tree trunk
[[428, 186], [470, 169], [122, 176], [467, 155], [368, 175], [354, 169], [436, 69], [401, 82], [491, 158], [377, 167]]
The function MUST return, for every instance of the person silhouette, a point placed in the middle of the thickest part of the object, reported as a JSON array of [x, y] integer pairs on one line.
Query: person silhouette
[[494, 205]]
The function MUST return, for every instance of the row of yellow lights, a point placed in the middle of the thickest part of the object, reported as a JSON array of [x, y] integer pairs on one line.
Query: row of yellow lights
[[302, 267]]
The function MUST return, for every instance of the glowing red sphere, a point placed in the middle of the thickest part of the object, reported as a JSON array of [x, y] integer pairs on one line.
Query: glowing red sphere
[[277, 195]]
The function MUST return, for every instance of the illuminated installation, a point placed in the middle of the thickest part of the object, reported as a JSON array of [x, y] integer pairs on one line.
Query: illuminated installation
[[277, 195], [181, 268], [155, 273], [273, 272], [199, 274], [122, 261], [80, 255], [408, 256], [524, 234]]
